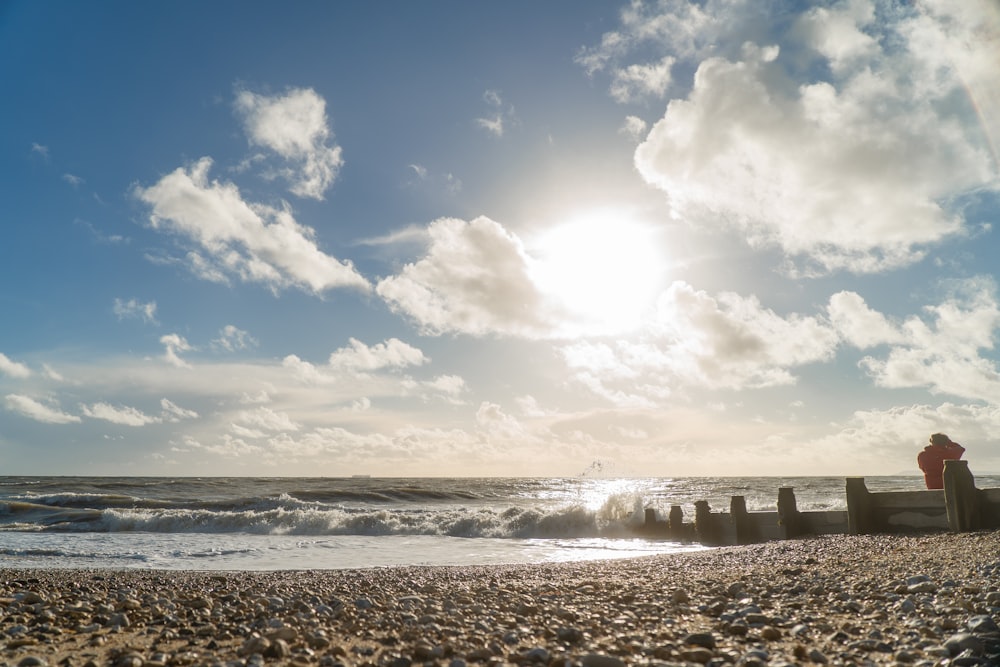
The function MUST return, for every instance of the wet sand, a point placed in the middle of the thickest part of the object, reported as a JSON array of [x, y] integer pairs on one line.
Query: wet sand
[[914, 600]]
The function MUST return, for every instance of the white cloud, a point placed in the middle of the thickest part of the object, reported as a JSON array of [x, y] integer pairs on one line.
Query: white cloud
[[39, 149], [232, 339], [448, 387], [123, 415], [358, 357], [474, 279], [501, 116], [175, 344], [29, 407], [838, 33], [294, 126], [12, 368], [634, 127], [860, 167], [135, 309], [73, 180], [174, 413], [860, 325], [636, 82], [696, 340], [942, 355], [254, 242], [266, 419], [875, 439]]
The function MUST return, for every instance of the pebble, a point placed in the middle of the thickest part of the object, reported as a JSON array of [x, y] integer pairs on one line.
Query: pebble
[[913, 601]]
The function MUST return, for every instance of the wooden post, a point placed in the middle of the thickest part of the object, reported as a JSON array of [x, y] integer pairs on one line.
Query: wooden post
[[746, 530], [704, 524], [859, 507], [676, 522], [650, 519], [961, 498], [789, 522]]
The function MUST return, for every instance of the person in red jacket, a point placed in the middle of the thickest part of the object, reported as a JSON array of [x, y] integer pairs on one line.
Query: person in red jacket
[[931, 459]]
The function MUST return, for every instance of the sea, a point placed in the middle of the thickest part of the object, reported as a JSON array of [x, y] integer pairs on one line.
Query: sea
[[256, 524]]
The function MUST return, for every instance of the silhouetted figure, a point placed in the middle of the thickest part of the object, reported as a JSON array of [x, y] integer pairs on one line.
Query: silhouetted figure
[[931, 459]]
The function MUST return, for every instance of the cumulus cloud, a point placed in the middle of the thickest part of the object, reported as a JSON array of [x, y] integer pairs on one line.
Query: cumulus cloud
[[696, 340], [174, 345], [34, 409], [253, 242], [13, 368], [135, 309], [860, 169], [294, 125], [121, 415], [358, 357], [474, 279], [942, 353]]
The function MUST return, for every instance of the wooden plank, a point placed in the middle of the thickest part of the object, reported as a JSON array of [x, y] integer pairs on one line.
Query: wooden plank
[[908, 499]]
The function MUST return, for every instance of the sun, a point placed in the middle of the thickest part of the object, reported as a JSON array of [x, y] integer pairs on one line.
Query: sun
[[601, 270]]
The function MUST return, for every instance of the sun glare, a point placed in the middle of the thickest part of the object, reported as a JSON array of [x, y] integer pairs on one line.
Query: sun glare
[[603, 269]]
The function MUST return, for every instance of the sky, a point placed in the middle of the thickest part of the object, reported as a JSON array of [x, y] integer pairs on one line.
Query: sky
[[671, 238]]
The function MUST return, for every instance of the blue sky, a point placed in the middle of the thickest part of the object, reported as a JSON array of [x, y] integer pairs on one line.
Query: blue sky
[[451, 238]]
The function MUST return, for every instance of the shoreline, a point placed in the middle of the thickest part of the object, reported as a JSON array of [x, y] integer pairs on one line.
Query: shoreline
[[873, 599]]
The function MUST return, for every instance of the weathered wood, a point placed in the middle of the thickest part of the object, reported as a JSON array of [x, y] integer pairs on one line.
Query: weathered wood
[[747, 531], [675, 523], [893, 500], [823, 522], [859, 507], [961, 498], [706, 525], [788, 513]]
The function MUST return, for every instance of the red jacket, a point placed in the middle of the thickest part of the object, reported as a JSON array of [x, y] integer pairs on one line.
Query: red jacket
[[931, 461]]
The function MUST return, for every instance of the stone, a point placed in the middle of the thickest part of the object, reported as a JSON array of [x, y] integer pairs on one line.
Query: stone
[[700, 655], [818, 657], [980, 625], [964, 641], [600, 660], [278, 649], [537, 654], [33, 661], [703, 639]]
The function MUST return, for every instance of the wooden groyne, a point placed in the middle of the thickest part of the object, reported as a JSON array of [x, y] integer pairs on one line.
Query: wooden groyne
[[959, 507]]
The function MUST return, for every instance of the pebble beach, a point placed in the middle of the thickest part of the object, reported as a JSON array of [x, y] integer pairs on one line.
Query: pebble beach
[[839, 600]]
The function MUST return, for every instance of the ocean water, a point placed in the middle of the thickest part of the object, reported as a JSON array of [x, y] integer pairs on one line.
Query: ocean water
[[243, 523]]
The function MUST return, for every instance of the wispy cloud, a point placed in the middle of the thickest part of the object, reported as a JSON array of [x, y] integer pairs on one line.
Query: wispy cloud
[[121, 415], [500, 117], [13, 368], [72, 179], [34, 409], [135, 309], [232, 339]]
